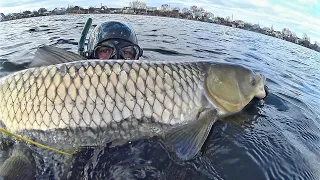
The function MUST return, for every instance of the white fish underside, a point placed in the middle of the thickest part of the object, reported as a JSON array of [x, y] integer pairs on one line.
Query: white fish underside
[[115, 96]]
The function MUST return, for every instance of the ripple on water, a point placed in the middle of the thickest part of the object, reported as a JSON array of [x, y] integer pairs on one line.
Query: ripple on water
[[18, 45], [66, 41], [163, 51], [279, 140]]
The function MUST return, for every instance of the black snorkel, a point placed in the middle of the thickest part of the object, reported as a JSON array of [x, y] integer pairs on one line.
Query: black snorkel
[[83, 37]]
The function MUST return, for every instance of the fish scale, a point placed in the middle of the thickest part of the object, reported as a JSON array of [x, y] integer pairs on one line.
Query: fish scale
[[123, 99]]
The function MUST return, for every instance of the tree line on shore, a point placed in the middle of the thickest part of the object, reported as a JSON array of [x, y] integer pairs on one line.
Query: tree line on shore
[[193, 13]]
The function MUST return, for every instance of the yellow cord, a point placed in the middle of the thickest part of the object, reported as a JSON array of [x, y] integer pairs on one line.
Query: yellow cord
[[34, 143]]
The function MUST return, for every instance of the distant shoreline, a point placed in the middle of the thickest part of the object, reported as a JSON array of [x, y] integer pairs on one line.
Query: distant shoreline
[[286, 34]]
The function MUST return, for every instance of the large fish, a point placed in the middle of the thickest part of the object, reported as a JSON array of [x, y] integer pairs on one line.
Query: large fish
[[89, 103], [86, 103]]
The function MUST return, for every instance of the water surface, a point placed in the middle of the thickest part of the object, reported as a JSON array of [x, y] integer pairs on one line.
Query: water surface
[[278, 138]]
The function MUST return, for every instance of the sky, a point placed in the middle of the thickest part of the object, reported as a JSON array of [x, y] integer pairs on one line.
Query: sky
[[300, 16]]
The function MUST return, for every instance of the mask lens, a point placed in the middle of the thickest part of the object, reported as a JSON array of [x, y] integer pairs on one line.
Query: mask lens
[[104, 52], [129, 52]]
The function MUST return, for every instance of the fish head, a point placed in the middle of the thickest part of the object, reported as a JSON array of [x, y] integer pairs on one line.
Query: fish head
[[231, 87]]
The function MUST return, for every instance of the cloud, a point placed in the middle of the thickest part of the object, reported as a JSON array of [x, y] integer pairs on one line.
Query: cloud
[[309, 1], [16, 3], [294, 6], [260, 3]]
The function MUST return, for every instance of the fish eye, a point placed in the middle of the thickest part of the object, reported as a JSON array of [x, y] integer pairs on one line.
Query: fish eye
[[253, 81]]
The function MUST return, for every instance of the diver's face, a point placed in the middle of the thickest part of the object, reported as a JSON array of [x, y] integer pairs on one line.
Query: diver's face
[[116, 49], [128, 52], [104, 52]]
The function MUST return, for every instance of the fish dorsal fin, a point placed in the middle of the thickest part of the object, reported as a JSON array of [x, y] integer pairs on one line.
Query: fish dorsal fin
[[186, 141], [49, 55]]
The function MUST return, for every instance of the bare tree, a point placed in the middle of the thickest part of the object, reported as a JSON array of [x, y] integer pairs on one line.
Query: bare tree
[[286, 32], [186, 11], [208, 14], [306, 40], [165, 7], [194, 9], [201, 10], [287, 35], [138, 4], [198, 12], [305, 37], [316, 46], [91, 9], [176, 9], [35, 13], [294, 37]]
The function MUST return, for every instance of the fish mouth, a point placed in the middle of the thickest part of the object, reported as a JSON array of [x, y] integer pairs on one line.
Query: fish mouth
[[262, 89]]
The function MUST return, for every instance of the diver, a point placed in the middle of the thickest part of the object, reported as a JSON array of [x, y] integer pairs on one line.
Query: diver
[[108, 40], [113, 40]]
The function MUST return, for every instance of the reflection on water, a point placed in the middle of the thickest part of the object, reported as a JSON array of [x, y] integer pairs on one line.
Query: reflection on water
[[275, 139]]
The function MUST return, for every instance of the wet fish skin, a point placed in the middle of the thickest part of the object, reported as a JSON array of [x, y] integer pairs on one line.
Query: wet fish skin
[[100, 94], [86, 101]]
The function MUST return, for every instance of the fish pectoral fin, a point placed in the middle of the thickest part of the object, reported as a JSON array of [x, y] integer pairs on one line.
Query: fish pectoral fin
[[187, 140], [49, 55], [20, 165]]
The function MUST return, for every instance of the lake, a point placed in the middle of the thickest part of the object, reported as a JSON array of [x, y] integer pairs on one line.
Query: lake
[[278, 138]]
